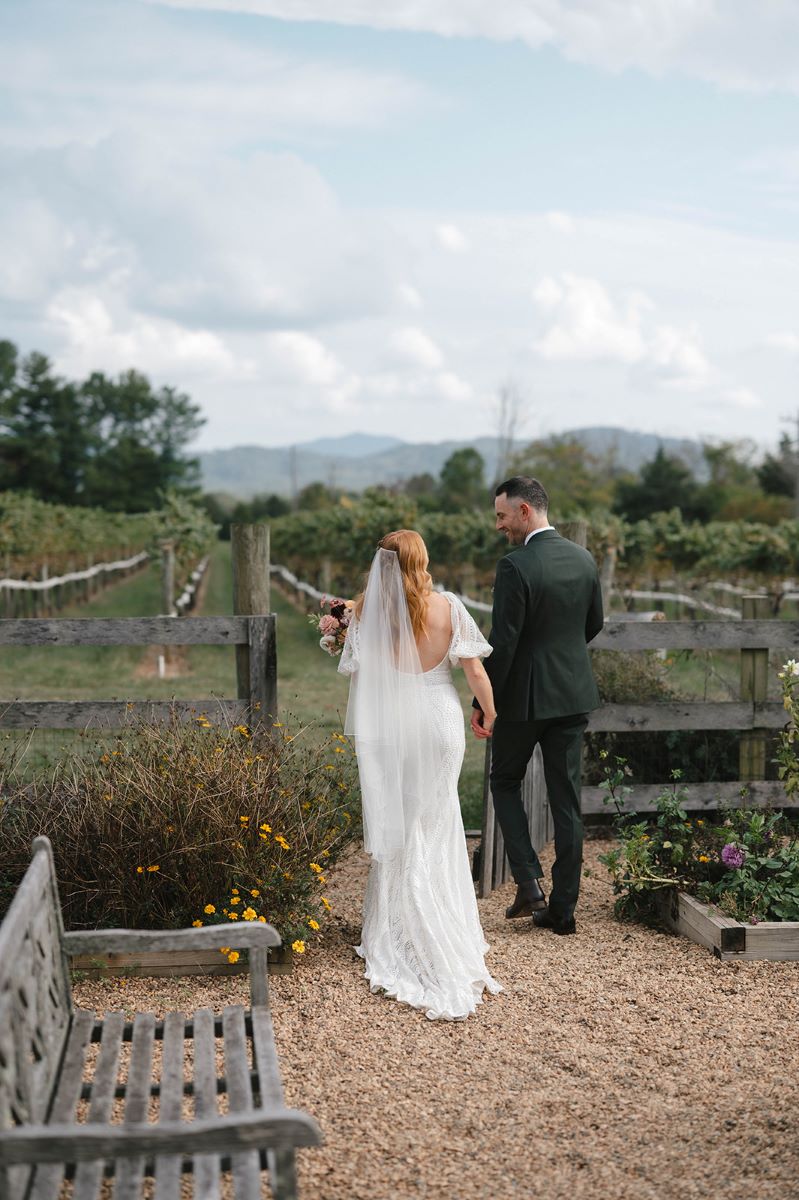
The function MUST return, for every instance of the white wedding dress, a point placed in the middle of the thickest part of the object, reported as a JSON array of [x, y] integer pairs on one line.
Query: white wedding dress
[[422, 942]]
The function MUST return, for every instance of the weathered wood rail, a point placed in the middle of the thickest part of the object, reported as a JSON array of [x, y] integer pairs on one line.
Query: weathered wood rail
[[253, 637], [753, 714]]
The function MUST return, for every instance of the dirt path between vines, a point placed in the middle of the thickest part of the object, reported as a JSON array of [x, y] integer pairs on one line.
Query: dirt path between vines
[[619, 1064]]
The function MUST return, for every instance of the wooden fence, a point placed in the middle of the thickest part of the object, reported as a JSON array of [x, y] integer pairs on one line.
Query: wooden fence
[[752, 713], [253, 638]]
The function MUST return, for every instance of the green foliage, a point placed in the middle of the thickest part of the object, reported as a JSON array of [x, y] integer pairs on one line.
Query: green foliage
[[747, 866], [114, 443], [576, 480], [33, 532], [462, 483], [149, 829]]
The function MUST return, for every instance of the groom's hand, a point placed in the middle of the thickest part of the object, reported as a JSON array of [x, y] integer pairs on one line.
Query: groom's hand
[[478, 728]]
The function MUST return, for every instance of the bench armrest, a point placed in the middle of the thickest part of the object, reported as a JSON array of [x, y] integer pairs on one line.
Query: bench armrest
[[255, 936], [244, 935], [279, 1129]]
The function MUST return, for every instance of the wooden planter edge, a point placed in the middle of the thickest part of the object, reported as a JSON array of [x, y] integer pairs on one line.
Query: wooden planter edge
[[172, 963], [730, 940]]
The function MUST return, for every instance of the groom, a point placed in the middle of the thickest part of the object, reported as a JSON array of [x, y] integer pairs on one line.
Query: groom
[[547, 606]]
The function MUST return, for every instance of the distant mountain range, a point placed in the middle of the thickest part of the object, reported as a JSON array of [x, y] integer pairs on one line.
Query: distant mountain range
[[359, 460]]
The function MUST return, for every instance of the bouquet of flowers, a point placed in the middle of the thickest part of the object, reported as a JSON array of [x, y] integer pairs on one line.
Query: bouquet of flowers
[[332, 625]]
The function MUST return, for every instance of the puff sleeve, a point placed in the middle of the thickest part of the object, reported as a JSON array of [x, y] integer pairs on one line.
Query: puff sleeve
[[350, 658], [467, 640]]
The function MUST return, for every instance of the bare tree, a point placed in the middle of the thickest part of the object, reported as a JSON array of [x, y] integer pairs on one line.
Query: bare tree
[[511, 417]]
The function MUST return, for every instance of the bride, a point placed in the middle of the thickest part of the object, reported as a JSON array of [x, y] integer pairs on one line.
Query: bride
[[422, 942]]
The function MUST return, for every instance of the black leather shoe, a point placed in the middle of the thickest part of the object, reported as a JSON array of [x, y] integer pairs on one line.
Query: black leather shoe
[[544, 920], [529, 899]]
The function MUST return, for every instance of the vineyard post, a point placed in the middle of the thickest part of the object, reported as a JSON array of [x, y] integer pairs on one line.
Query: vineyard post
[[250, 548], [754, 687], [167, 592]]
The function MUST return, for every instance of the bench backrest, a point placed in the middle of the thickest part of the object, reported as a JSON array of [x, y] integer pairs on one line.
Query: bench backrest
[[35, 993]]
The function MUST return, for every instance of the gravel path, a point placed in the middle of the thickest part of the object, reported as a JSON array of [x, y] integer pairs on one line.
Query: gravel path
[[619, 1064]]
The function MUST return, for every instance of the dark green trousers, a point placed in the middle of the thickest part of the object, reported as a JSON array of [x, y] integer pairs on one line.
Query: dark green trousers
[[512, 747]]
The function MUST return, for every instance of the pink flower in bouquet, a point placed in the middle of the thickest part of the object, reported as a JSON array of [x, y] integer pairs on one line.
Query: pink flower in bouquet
[[328, 624]]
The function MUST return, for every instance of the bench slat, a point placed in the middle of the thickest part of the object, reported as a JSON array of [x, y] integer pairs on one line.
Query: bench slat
[[266, 1066], [246, 1167], [88, 1175], [169, 1166], [47, 1180], [206, 1166], [130, 1171]]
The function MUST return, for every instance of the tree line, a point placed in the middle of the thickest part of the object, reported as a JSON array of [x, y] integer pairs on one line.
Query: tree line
[[733, 485], [113, 443]]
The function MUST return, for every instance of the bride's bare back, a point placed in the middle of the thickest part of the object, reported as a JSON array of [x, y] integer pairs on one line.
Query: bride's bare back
[[434, 642]]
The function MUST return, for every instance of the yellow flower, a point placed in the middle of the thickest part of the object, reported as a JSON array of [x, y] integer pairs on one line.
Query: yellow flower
[[249, 914], [235, 899], [281, 841], [263, 837], [244, 820], [243, 730], [233, 957], [325, 854], [326, 902], [196, 924], [277, 724], [140, 870], [338, 750], [224, 949], [151, 869], [287, 875], [209, 908], [231, 916], [703, 858], [321, 879], [266, 828], [234, 891], [262, 920], [313, 924], [699, 821], [298, 947], [254, 892], [315, 867]]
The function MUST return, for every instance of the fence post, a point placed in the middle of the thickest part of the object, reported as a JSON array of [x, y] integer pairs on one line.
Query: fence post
[[167, 596], [754, 687], [251, 598]]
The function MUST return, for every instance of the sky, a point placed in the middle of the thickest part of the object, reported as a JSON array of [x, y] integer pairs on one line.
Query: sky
[[323, 216]]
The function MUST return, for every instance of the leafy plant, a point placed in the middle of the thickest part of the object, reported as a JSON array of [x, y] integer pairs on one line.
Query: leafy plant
[[152, 827]]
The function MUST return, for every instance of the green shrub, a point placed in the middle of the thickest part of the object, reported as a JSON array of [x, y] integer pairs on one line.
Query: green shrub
[[167, 818], [746, 862]]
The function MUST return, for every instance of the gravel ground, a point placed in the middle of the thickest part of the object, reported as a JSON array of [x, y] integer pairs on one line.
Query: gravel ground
[[620, 1064]]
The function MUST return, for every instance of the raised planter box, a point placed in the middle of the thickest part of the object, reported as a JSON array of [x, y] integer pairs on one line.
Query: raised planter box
[[729, 939], [173, 962]]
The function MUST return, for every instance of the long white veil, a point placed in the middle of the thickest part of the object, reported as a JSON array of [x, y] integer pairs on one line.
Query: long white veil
[[386, 714]]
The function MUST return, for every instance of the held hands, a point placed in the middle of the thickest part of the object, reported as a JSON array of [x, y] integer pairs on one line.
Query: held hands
[[482, 723]]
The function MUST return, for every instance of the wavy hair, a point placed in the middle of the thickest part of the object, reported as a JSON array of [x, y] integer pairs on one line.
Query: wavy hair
[[411, 551]]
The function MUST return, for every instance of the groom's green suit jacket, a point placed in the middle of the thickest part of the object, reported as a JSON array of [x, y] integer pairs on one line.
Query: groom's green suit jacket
[[547, 607]]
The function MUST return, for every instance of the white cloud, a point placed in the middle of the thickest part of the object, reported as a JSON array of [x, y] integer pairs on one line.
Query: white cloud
[[787, 341], [587, 325], [561, 222], [95, 338], [409, 296], [452, 238], [305, 361], [729, 42], [416, 347], [742, 397]]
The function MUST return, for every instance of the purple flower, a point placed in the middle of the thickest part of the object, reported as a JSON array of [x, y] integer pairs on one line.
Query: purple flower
[[732, 856]]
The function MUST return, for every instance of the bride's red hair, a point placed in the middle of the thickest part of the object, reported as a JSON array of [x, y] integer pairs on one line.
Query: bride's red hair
[[411, 551]]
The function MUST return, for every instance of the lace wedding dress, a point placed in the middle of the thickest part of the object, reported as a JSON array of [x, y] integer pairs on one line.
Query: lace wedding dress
[[422, 942]]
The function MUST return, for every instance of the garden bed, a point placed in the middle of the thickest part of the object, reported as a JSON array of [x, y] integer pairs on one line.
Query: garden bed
[[169, 963], [729, 939]]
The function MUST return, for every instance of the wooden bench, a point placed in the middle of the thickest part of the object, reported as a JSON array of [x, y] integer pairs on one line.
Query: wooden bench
[[82, 1098]]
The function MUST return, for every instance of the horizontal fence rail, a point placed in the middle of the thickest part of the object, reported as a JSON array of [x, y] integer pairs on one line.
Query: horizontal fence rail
[[254, 636], [44, 585]]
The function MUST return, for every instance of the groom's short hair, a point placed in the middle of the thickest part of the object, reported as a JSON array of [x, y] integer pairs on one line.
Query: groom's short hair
[[524, 487]]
